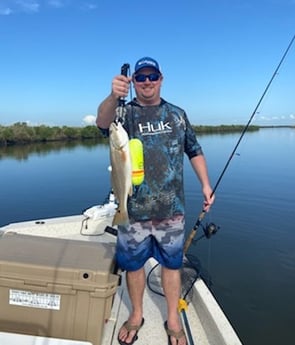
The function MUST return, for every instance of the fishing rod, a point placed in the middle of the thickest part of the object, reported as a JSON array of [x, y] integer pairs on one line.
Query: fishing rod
[[120, 110], [203, 212]]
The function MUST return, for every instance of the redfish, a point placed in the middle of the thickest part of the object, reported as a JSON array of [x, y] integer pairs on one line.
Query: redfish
[[121, 174]]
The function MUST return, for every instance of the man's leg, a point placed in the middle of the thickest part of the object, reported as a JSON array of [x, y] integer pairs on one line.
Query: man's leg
[[136, 286], [171, 282]]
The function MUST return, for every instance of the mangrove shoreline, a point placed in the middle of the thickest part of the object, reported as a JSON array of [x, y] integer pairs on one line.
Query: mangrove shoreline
[[21, 133]]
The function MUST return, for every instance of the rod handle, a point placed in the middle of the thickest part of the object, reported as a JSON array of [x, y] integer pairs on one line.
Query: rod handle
[[124, 71], [193, 232]]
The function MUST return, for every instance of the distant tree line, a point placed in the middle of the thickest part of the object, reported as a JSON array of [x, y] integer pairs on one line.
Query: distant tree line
[[223, 129], [22, 133]]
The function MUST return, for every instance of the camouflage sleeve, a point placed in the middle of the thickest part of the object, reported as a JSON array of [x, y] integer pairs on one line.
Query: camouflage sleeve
[[191, 145]]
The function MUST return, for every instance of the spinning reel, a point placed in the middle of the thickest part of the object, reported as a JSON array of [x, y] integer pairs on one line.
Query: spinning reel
[[210, 229]]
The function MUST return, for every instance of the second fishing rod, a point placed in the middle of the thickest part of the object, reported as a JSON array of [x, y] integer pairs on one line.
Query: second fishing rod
[[211, 229]]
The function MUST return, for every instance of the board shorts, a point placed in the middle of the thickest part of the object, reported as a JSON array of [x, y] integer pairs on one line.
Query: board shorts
[[162, 240]]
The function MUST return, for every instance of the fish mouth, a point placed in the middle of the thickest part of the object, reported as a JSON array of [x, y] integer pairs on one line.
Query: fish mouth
[[117, 141]]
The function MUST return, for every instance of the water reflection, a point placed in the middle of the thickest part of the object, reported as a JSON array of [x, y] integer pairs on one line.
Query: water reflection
[[23, 152]]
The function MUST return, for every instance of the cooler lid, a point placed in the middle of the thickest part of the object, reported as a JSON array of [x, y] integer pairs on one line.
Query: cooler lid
[[23, 339], [55, 260]]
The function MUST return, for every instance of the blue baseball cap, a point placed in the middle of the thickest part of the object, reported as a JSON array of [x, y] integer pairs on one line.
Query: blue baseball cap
[[147, 62]]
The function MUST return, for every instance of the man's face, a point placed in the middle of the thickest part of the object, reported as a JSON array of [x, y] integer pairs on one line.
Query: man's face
[[147, 91]]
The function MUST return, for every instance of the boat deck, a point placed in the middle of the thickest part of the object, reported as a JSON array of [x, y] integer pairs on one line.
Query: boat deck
[[207, 323], [153, 331]]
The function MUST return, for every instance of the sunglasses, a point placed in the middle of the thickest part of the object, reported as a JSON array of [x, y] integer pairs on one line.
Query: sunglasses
[[140, 78]]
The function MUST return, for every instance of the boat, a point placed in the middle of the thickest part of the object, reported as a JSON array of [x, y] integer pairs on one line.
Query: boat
[[205, 322]]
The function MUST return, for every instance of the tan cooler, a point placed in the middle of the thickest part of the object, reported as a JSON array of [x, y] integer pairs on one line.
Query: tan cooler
[[56, 287]]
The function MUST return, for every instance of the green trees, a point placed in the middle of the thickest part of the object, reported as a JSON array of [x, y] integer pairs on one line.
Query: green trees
[[22, 133], [223, 129]]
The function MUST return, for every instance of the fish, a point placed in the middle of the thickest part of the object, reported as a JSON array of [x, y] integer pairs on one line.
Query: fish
[[121, 173]]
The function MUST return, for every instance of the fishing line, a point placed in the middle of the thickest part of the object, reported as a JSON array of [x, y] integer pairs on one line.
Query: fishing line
[[202, 214], [211, 229]]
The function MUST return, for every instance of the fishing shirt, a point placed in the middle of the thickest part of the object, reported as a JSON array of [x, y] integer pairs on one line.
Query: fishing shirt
[[166, 134]]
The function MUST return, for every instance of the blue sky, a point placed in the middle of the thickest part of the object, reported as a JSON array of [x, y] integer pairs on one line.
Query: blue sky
[[58, 57]]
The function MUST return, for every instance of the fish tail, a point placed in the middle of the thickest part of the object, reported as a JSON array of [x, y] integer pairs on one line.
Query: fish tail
[[120, 218]]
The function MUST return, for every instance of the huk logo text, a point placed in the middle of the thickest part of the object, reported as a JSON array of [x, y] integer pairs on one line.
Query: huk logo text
[[152, 128]]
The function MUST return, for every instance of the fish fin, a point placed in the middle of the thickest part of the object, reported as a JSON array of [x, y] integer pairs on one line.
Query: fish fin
[[120, 218]]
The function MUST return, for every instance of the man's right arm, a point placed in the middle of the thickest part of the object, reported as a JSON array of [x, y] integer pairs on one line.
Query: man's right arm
[[106, 111]]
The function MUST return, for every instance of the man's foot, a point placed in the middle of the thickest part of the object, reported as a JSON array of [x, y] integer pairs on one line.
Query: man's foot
[[175, 338], [128, 333]]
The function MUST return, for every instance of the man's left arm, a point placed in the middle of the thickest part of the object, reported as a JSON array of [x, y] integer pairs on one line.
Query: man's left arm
[[200, 167]]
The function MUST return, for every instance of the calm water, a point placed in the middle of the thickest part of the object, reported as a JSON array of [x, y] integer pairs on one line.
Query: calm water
[[251, 260]]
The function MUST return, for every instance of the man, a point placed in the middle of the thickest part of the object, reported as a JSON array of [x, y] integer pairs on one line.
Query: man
[[156, 208]]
